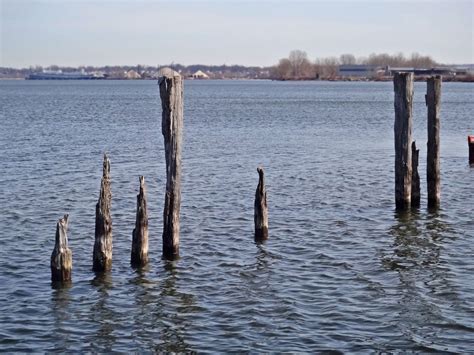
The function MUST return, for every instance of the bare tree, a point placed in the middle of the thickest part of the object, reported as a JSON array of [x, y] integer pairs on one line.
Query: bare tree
[[398, 60], [283, 69], [347, 59], [330, 67], [297, 66], [318, 68], [307, 70], [418, 61], [326, 68], [301, 67]]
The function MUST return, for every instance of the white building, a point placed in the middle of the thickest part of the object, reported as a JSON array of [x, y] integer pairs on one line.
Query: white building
[[200, 75]]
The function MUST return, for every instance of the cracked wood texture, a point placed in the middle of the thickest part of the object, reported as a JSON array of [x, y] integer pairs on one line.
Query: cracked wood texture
[[433, 101], [415, 177], [61, 258], [403, 104], [171, 94], [102, 257], [261, 208], [140, 232]]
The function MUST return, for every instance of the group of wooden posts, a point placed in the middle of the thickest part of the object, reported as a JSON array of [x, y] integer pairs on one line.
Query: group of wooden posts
[[407, 179], [171, 93]]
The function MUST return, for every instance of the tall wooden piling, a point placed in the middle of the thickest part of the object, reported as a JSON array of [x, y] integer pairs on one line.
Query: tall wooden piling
[[140, 232], [61, 258], [171, 93], [261, 208], [403, 86], [433, 101], [470, 142], [102, 257], [415, 177]]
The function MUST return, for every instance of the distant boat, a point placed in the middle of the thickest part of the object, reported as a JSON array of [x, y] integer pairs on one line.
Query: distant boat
[[59, 75]]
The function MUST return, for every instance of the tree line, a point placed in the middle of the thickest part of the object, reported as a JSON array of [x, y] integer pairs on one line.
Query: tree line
[[299, 67]]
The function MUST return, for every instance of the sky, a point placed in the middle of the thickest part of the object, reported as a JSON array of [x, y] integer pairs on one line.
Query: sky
[[126, 32]]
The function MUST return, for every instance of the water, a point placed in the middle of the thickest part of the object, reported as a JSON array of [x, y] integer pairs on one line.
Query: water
[[340, 271]]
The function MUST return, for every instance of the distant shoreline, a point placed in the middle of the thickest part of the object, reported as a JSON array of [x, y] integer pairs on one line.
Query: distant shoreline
[[385, 79]]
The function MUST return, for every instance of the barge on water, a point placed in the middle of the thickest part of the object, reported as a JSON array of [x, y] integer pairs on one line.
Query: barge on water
[[59, 75]]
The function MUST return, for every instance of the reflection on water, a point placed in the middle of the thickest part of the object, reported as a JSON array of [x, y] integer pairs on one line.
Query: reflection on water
[[103, 314], [424, 284], [61, 298], [262, 262], [162, 309], [411, 245], [175, 327]]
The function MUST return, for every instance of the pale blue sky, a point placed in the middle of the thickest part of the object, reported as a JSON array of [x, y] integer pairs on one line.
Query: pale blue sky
[[85, 32]]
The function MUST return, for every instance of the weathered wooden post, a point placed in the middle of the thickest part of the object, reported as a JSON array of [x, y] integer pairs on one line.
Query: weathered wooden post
[[433, 101], [102, 257], [403, 86], [61, 258], [171, 93], [470, 142], [261, 208], [140, 232], [415, 177]]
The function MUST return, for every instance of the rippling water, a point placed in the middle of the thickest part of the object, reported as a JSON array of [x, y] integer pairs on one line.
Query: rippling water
[[340, 271]]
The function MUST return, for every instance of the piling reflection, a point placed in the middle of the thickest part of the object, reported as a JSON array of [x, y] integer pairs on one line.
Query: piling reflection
[[173, 332], [257, 275], [414, 242], [416, 255], [411, 246], [102, 313], [60, 300], [261, 258], [163, 310]]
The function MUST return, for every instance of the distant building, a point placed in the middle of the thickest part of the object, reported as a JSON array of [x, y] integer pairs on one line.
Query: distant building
[[200, 75], [467, 69], [358, 70], [420, 71], [60, 75], [132, 74]]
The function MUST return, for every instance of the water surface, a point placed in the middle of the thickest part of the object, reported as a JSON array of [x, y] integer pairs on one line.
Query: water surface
[[340, 271]]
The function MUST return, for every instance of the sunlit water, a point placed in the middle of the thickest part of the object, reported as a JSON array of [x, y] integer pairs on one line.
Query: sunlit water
[[340, 271]]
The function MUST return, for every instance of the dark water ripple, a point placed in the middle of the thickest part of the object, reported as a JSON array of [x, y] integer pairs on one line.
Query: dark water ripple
[[341, 271]]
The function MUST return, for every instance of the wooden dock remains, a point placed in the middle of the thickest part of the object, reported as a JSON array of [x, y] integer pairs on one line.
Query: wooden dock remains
[[415, 177], [470, 142], [261, 208], [433, 101], [171, 93], [61, 258], [102, 256], [139, 255], [403, 86]]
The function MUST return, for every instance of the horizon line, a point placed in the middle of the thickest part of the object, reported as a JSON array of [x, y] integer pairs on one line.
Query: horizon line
[[172, 64]]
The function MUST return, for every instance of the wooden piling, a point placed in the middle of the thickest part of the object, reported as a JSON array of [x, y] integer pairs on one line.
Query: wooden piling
[[61, 258], [433, 101], [470, 142], [140, 232], [403, 86], [171, 93], [261, 208], [102, 257], [415, 177]]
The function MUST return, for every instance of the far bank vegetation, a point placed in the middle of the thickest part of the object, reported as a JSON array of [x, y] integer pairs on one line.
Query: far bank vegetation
[[298, 65]]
